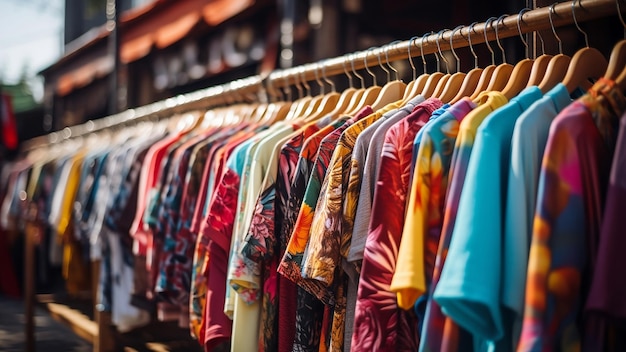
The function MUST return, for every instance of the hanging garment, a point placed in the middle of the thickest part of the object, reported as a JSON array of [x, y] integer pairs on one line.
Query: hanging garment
[[378, 323], [566, 228]]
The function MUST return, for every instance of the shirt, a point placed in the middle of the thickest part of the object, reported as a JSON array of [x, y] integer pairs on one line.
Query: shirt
[[352, 202], [262, 245], [362, 178], [424, 218], [245, 273], [294, 255], [566, 227], [527, 146], [470, 284], [441, 333], [606, 293], [377, 322], [308, 309]]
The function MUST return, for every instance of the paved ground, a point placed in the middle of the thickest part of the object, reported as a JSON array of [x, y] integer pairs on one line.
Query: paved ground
[[50, 335]]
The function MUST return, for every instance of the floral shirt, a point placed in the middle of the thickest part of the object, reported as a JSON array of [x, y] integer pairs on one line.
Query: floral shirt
[[290, 265], [295, 303], [377, 323], [261, 244]]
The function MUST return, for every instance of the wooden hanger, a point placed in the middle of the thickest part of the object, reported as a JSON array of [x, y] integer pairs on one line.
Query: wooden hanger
[[392, 91], [328, 102], [433, 80], [356, 97], [454, 83], [487, 74], [417, 84], [586, 63], [306, 101], [502, 73], [558, 65], [473, 76], [371, 93], [278, 107], [345, 97], [302, 101], [617, 61], [521, 71], [541, 64]]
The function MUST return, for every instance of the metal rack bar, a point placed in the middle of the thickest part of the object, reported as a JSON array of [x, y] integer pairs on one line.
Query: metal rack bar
[[533, 20]]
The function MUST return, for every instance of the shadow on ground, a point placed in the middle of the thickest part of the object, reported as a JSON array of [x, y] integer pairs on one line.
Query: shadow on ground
[[50, 335]]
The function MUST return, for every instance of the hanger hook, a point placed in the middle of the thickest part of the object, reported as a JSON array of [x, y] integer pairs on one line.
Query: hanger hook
[[317, 66], [326, 79], [619, 13], [380, 64], [519, 30], [343, 63], [576, 21], [287, 88], [387, 48], [356, 73], [298, 85], [493, 55], [469, 40], [440, 34], [456, 57], [554, 29], [411, 59], [306, 85], [422, 50], [500, 19], [367, 67]]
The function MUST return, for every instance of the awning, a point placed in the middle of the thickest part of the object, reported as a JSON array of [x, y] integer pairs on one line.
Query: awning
[[165, 25], [159, 24], [84, 75]]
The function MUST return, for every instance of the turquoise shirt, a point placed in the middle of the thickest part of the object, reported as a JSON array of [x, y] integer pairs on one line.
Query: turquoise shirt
[[469, 288], [527, 146]]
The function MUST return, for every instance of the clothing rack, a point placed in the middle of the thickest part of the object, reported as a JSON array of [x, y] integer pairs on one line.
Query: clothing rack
[[561, 14], [509, 26]]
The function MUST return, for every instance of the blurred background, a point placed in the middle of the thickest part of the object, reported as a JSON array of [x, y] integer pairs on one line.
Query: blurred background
[[63, 62]]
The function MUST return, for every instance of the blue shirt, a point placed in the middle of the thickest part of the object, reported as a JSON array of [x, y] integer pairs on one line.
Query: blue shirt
[[469, 288], [527, 146]]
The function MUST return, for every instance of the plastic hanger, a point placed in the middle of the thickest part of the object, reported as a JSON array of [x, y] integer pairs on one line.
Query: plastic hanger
[[557, 67], [541, 63], [586, 63], [392, 91], [502, 73], [453, 86], [617, 63], [371, 93], [433, 80], [521, 71], [488, 71], [417, 84], [328, 102], [473, 76]]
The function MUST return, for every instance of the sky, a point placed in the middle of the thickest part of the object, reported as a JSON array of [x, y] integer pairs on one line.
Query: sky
[[31, 35]]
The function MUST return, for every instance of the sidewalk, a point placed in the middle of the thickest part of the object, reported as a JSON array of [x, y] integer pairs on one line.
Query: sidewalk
[[50, 335]]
